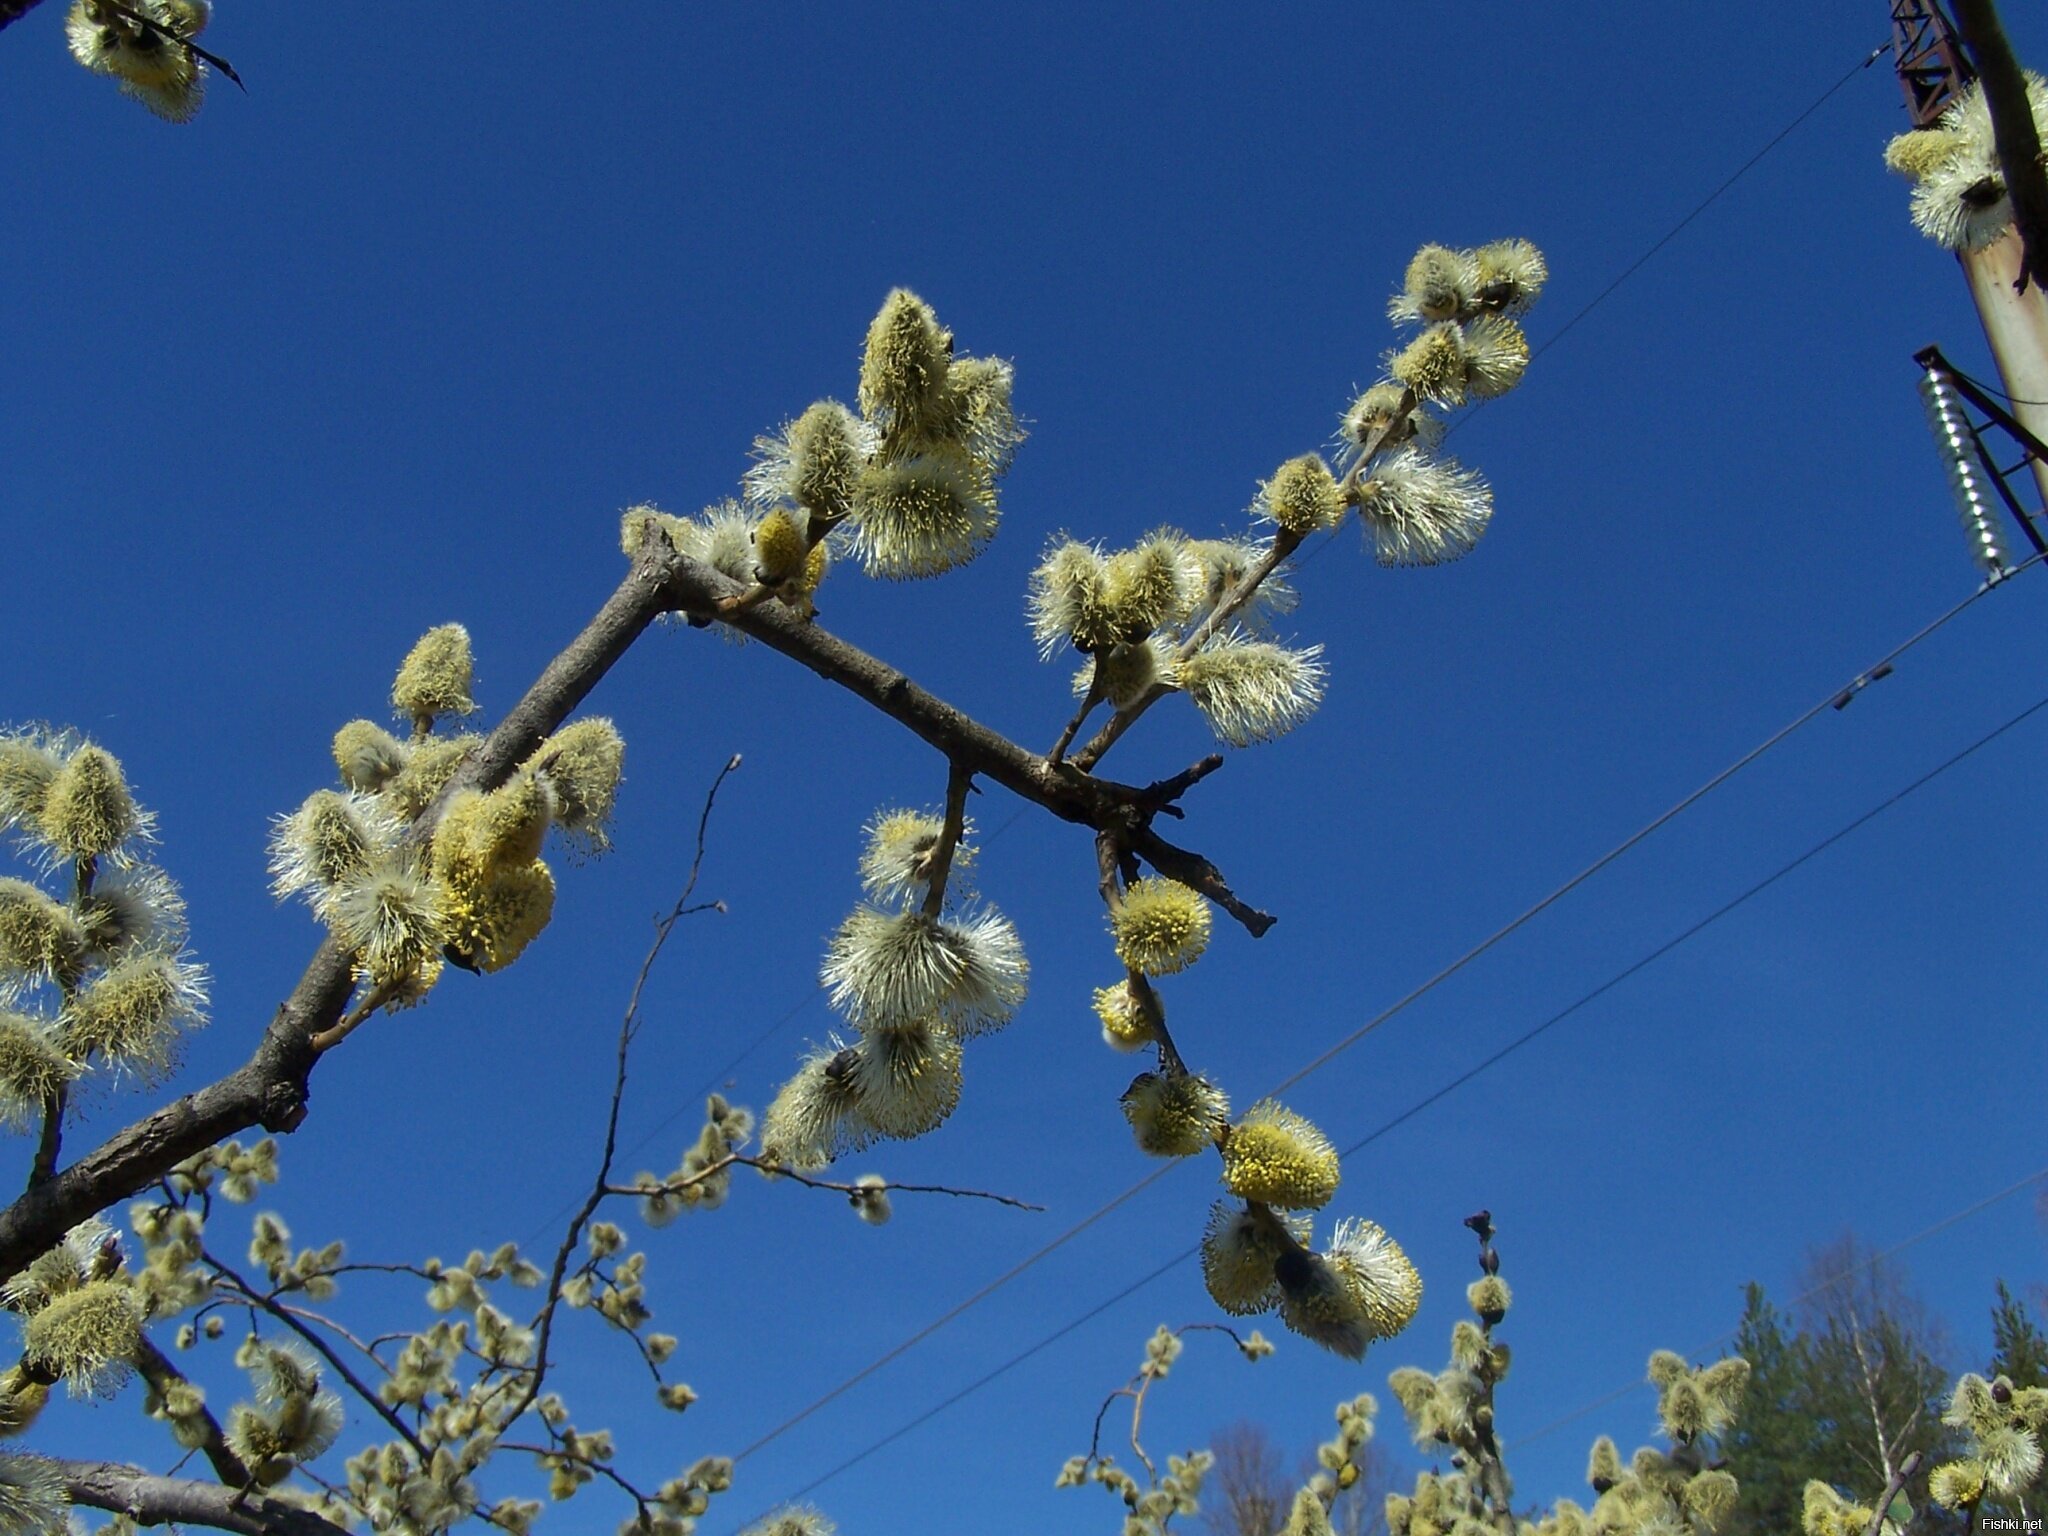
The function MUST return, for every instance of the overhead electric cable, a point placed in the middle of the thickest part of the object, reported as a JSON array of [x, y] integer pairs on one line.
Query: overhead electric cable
[[1826, 703], [1467, 1076]]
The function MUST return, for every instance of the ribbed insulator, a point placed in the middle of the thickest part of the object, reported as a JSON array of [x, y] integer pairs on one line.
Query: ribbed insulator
[[1968, 480]]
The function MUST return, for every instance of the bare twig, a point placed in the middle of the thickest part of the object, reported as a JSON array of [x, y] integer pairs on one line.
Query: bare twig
[[629, 1026], [1089, 700], [951, 830], [733, 1160]]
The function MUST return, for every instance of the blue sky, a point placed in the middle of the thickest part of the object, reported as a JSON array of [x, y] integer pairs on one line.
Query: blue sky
[[388, 341]]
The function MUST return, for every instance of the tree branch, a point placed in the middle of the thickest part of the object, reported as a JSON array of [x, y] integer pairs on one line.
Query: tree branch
[[271, 1088], [160, 1373], [148, 1499], [2012, 126]]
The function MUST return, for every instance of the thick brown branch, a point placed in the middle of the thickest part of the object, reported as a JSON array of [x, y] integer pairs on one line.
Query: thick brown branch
[[271, 1088], [2013, 127], [151, 1500]]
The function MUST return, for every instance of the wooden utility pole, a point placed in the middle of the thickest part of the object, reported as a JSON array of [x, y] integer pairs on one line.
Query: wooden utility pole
[[1933, 70]]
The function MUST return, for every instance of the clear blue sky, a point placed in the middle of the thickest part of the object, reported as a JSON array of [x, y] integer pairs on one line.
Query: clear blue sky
[[388, 341]]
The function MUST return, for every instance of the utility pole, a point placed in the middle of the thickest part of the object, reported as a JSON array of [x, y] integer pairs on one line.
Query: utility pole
[[1933, 70]]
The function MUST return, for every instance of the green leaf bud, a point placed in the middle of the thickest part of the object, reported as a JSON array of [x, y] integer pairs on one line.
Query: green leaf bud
[[1302, 496], [1175, 1114], [87, 812], [1160, 926], [368, 756], [1278, 1158], [435, 678]]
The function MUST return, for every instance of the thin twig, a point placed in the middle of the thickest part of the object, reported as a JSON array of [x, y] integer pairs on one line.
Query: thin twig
[[355, 1383], [940, 868], [1089, 700], [629, 1026], [1894, 1486], [169, 36], [733, 1160]]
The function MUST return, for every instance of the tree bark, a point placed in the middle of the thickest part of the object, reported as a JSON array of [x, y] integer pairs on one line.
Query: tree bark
[[148, 1499]]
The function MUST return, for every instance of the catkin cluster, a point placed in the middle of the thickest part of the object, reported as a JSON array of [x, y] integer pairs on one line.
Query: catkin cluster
[[1960, 199], [96, 980], [906, 484], [145, 45], [474, 891], [916, 970]]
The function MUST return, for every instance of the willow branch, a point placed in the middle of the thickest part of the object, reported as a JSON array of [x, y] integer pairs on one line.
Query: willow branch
[[272, 1088], [782, 1171], [148, 1499], [951, 830], [629, 1026], [156, 1369], [1894, 1486]]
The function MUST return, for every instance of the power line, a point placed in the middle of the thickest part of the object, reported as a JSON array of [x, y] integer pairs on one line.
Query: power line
[[1451, 1087], [1709, 200], [1584, 310], [1827, 702], [1870, 1263]]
